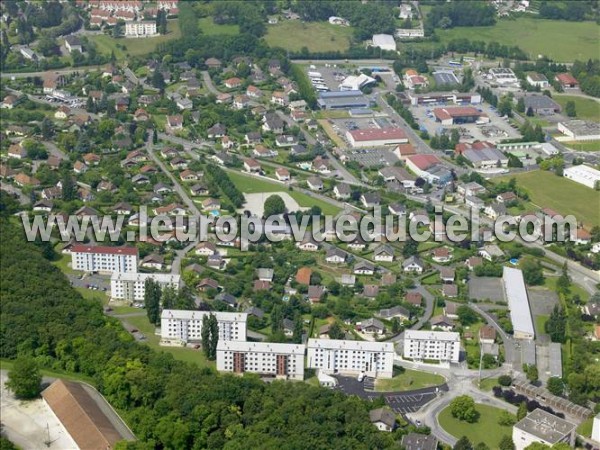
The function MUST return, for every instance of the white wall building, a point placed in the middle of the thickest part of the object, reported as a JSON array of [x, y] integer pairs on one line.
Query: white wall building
[[96, 258], [264, 358], [375, 359], [132, 286], [384, 42], [580, 130], [518, 303], [140, 29], [182, 326], [436, 345], [543, 427], [582, 174]]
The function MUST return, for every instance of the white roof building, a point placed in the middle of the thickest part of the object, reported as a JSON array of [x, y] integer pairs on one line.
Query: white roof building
[[179, 326], [384, 42], [356, 83], [132, 286], [582, 174], [543, 427], [436, 345], [518, 303]]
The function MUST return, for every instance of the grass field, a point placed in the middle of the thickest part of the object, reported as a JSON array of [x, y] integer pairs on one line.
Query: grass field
[[565, 196], [585, 428], [408, 380], [134, 46], [487, 384], [586, 108], [316, 36], [486, 429], [578, 40], [589, 146], [209, 27], [540, 324]]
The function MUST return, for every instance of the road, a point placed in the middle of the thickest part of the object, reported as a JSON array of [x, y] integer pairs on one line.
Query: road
[[44, 72], [209, 83], [509, 349], [429, 306], [23, 199]]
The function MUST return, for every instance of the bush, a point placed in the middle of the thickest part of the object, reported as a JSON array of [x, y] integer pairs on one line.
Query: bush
[[504, 380]]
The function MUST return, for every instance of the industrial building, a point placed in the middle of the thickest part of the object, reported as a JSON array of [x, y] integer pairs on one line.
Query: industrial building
[[285, 361], [374, 137], [457, 115], [97, 258], [538, 80], [580, 130], [375, 359], [356, 82], [518, 303], [178, 327], [432, 98], [445, 78], [430, 168], [486, 158], [384, 42], [582, 174], [342, 100], [503, 76], [541, 104], [132, 286], [543, 427], [443, 346]]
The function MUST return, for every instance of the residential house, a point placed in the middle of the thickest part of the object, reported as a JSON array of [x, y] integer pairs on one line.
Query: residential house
[[370, 199], [398, 312], [314, 183], [442, 322], [342, 191], [188, 175], [447, 274], [206, 249], [441, 255], [363, 268], [174, 123], [383, 253], [487, 334], [282, 174], [413, 264], [153, 261], [315, 293], [450, 290], [372, 326], [335, 256], [414, 298], [303, 276], [251, 165], [383, 419], [308, 245]]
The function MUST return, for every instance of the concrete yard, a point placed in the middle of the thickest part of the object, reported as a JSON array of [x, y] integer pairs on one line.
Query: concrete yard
[[256, 202], [486, 288]]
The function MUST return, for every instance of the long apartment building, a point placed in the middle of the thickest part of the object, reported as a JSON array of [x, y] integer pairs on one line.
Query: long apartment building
[[183, 326], [97, 258], [140, 29], [441, 346], [285, 361], [132, 286], [375, 359], [518, 303]]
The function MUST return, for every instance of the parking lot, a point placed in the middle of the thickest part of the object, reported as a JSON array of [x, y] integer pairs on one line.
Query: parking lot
[[372, 157], [486, 288], [94, 282]]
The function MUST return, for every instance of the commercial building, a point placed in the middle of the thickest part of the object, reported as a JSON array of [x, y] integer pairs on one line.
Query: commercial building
[[486, 158], [342, 100], [374, 137], [580, 130], [582, 174], [543, 427], [264, 358], [503, 76], [432, 98], [538, 80], [356, 83], [179, 326], [375, 359], [97, 258], [384, 42], [430, 168], [144, 28], [457, 115], [132, 286], [441, 346], [518, 303], [445, 78], [541, 104]]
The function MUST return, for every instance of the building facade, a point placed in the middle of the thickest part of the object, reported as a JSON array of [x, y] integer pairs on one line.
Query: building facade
[[132, 286], [96, 258], [543, 427], [183, 326], [582, 174], [441, 346], [140, 29]]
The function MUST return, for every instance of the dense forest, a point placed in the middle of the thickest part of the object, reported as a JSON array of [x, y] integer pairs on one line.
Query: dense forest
[[461, 14], [168, 403]]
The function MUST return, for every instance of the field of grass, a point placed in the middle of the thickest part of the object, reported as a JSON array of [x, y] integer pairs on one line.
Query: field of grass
[[134, 46], [589, 146], [546, 190], [486, 429], [209, 27], [585, 429], [585, 108], [578, 40], [540, 324], [487, 384], [316, 36], [408, 380]]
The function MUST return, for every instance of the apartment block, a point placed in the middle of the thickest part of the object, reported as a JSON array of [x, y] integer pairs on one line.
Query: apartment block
[[375, 359], [183, 326], [96, 258], [132, 286], [140, 29], [284, 361], [435, 345]]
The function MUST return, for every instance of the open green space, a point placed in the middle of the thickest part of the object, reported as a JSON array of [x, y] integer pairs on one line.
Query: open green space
[[540, 324], [588, 146], [6, 364], [408, 380], [585, 429], [586, 108], [487, 384], [210, 28], [134, 46], [486, 429], [293, 35], [547, 190], [560, 40]]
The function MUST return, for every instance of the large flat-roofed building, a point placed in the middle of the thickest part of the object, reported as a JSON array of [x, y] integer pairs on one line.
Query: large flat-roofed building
[[457, 115], [429, 167], [375, 359], [441, 346], [503, 75], [518, 303], [342, 100], [431, 98], [580, 130], [132, 286], [97, 258], [145, 28], [178, 326], [582, 174], [538, 80], [486, 158], [541, 104], [445, 79], [374, 137], [384, 42], [264, 358], [545, 428]]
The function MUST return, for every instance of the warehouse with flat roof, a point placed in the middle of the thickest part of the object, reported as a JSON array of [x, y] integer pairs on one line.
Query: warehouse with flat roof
[[456, 115], [582, 174], [580, 130], [342, 100], [518, 303], [373, 137]]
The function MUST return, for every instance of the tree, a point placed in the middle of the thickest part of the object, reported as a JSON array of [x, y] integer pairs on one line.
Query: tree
[[504, 380], [396, 325], [298, 329], [482, 446], [555, 385], [118, 29], [463, 408], [158, 80], [25, 379], [69, 189], [205, 336], [152, 297], [529, 112], [155, 136], [532, 271], [521, 105], [47, 129], [274, 205], [522, 411], [336, 331], [214, 336], [506, 443], [463, 444], [570, 109], [466, 316], [556, 325], [506, 419], [531, 371]]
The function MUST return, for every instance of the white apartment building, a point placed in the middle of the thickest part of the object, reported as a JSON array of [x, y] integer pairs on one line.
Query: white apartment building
[[182, 326], [140, 29], [540, 426], [375, 359], [97, 258], [435, 345], [132, 286], [518, 303], [278, 360], [582, 174]]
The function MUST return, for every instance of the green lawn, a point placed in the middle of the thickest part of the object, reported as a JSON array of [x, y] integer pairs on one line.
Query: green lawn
[[540, 323], [487, 384], [408, 380], [585, 429], [209, 27], [486, 429], [134, 46], [316, 36], [585, 108], [578, 40], [588, 146], [546, 190]]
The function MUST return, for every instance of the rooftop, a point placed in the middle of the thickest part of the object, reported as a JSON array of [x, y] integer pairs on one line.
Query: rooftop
[[337, 344], [545, 426], [518, 303]]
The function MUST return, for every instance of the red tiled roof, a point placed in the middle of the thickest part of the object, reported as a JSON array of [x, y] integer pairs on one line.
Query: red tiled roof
[[423, 162], [375, 134], [459, 111], [566, 78]]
